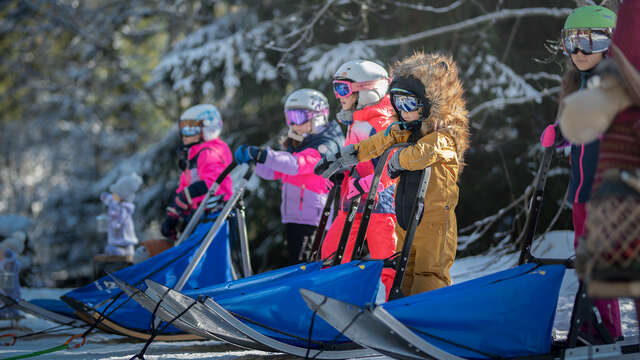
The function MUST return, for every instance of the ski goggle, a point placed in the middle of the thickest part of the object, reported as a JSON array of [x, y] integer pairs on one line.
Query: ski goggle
[[405, 101], [344, 88], [588, 41], [190, 127], [298, 116], [302, 116]]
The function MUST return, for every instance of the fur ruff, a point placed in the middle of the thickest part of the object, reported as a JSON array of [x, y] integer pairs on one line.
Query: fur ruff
[[439, 74]]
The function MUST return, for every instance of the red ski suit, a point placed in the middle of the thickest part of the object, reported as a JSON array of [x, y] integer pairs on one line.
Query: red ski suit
[[381, 237]]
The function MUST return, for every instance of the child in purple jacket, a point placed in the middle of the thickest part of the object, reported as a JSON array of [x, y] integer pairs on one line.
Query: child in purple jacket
[[303, 193], [121, 234]]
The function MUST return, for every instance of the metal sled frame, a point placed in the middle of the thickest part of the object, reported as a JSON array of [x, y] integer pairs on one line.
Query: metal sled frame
[[198, 317], [93, 318], [350, 350], [43, 313], [374, 328], [217, 323]]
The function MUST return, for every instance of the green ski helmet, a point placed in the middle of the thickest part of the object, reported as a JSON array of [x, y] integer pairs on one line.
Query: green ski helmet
[[591, 17], [588, 29]]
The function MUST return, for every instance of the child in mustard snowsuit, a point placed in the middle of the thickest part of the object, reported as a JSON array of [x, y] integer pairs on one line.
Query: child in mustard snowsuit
[[431, 116]]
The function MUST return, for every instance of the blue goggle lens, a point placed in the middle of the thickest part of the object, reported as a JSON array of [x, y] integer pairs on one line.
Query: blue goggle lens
[[190, 130], [341, 89], [406, 103]]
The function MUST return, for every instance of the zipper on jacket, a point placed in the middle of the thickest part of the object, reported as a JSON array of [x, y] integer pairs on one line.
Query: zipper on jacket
[[577, 196], [301, 196]]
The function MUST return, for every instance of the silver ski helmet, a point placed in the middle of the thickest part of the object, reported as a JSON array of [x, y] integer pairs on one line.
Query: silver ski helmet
[[369, 79], [305, 105], [202, 119]]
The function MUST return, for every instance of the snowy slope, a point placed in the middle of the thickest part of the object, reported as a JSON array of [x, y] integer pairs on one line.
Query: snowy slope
[[557, 244]]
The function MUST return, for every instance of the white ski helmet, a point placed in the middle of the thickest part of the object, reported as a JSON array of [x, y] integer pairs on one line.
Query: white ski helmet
[[360, 71], [311, 100], [207, 117]]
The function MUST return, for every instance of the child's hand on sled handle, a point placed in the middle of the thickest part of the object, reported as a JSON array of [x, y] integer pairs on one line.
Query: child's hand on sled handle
[[333, 163]]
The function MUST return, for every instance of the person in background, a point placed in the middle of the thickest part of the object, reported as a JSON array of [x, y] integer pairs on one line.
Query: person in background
[[204, 157], [431, 117], [361, 88], [304, 193], [10, 250], [121, 231], [586, 36]]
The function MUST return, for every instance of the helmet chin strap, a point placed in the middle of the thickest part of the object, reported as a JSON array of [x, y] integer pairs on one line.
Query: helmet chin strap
[[293, 135]]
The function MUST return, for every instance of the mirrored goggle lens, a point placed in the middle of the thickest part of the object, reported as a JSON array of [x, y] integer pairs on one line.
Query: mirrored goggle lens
[[586, 41], [190, 130], [297, 116], [406, 103], [342, 89]]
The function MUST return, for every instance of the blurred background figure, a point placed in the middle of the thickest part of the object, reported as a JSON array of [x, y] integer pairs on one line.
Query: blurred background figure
[[121, 232]]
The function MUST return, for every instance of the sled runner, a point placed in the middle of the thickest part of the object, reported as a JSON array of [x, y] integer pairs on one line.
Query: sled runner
[[198, 319], [49, 309]]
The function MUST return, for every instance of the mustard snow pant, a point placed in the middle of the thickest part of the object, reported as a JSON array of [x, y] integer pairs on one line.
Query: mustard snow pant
[[432, 254]]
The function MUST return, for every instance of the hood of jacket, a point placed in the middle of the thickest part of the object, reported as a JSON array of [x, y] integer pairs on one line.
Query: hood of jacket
[[439, 75]]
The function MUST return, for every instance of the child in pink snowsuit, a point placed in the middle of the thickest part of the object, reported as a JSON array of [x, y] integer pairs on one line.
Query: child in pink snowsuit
[[206, 156]]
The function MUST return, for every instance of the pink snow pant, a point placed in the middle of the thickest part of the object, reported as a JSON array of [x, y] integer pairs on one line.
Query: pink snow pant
[[609, 308], [381, 240]]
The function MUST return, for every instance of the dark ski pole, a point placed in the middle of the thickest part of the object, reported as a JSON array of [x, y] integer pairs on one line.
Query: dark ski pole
[[346, 230], [198, 214], [358, 248], [526, 238], [326, 212], [418, 208]]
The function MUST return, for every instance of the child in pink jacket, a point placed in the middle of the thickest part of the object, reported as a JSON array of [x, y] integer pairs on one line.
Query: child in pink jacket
[[303, 192], [205, 157]]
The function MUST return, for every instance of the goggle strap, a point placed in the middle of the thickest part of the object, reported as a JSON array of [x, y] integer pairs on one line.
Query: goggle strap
[[368, 85], [189, 122]]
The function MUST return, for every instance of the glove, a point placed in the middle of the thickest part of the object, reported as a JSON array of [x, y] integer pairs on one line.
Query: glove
[[246, 153], [393, 167], [548, 137], [333, 163], [361, 186], [345, 117], [168, 229]]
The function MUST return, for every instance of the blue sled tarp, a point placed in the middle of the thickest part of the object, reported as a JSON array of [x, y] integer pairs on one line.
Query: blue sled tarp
[[278, 310], [127, 316], [165, 268], [503, 315]]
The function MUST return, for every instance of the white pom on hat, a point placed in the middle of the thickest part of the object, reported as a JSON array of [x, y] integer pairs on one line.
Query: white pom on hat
[[15, 242], [127, 186]]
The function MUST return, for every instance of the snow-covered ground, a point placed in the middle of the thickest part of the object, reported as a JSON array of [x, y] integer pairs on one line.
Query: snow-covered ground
[[557, 244]]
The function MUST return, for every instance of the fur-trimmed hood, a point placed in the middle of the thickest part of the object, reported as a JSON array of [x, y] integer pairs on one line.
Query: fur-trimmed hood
[[439, 75]]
